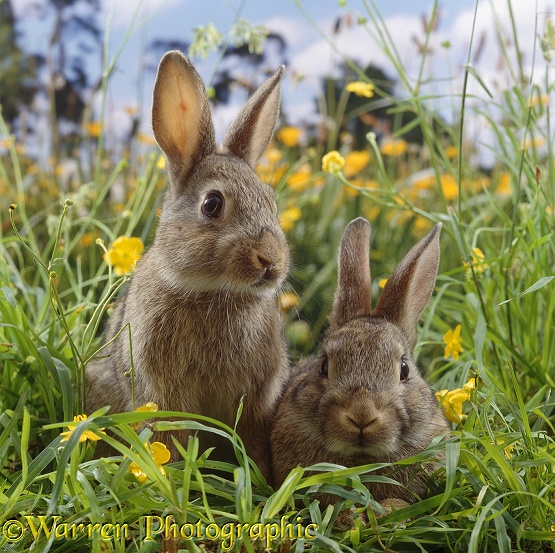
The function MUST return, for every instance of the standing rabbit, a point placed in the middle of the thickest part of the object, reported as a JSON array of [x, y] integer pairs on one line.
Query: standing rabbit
[[205, 324], [362, 399]]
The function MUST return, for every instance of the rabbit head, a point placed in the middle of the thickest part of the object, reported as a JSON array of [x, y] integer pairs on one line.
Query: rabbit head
[[219, 228], [362, 398], [378, 404]]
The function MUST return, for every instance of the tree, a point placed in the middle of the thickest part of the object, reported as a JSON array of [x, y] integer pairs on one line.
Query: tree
[[385, 113], [68, 82], [17, 71]]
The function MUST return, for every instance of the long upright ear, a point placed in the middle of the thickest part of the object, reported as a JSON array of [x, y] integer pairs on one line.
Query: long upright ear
[[250, 134], [181, 118], [408, 290], [353, 295]]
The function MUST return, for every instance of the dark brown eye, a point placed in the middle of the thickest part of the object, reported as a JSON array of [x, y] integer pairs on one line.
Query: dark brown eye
[[324, 367], [212, 205], [404, 368]]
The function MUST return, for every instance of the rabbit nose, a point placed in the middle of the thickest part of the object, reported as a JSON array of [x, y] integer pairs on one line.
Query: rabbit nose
[[362, 422], [265, 262]]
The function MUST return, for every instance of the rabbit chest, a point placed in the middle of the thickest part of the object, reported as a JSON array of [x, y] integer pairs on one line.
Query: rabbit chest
[[204, 354]]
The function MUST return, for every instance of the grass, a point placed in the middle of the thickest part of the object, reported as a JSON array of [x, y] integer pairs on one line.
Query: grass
[[495, 489]]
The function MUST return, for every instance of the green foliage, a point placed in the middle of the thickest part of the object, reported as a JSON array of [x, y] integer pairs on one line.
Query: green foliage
[[494, 488]]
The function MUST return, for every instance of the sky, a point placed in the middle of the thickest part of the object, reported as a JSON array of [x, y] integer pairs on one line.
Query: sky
[[307, 27]]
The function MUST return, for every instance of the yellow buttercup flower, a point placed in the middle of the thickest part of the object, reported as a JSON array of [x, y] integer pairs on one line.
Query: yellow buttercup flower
[[88, 239], [7, 142], [451, 152], [452, 401], [532, 143], [507, 450], [478, 183], [289, 136], [541, 100], [149, 407], [503, 184], [393, 148], [360, 88], [273, 155], [449, 186], [161, 163], [300, 179], [421, 226], [93, 129], [160, 455], [382, 282], [289, 217], [124, 254], [333, 162], [478, 262], [288, 301], [453, 343], [424, 183], [92, 435], [470, 385], [355, 162]]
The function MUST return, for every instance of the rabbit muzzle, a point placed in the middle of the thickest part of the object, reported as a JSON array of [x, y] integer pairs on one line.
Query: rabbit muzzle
[[362, 427], [262, 264]]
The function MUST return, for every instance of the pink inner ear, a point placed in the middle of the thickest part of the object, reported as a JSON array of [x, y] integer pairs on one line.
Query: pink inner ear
[[182, 129], [180, 109], [181, 118], [182, 95]]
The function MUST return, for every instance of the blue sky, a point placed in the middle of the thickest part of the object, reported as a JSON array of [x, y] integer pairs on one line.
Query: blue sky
[[308, 53]]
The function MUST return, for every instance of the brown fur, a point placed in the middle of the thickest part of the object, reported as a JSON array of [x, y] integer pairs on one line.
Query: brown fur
[[363, 412], [205, 324]]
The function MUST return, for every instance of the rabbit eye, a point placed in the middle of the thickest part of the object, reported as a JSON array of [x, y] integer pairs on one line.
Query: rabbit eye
[[212, 205], [404, 368], [324, 367]]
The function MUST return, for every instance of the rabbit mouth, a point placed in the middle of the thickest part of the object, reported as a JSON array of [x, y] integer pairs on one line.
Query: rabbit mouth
[[369, 450], [269, 278], [361, 446], [256, 269]]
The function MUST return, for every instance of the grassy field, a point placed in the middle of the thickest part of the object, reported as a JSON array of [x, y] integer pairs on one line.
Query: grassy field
[[492, 318]]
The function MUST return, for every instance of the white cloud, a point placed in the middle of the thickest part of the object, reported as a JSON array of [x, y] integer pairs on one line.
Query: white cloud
[[293, 30], [444, 68], [22, 8], [123, 11], [358, 43], [323, 57]]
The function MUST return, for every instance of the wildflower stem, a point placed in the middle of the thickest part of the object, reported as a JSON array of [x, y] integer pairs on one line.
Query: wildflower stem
[[507, 260], [4, 130], [24, 243], [67, 205], [371, 137], [225, 43], [131, 366], [108, 68], [79, 366], [92, 326]]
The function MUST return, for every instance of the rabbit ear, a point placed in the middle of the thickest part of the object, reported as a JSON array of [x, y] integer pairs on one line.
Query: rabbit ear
[[253, 128], [353, 295], [181, 118], [408, 290]]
